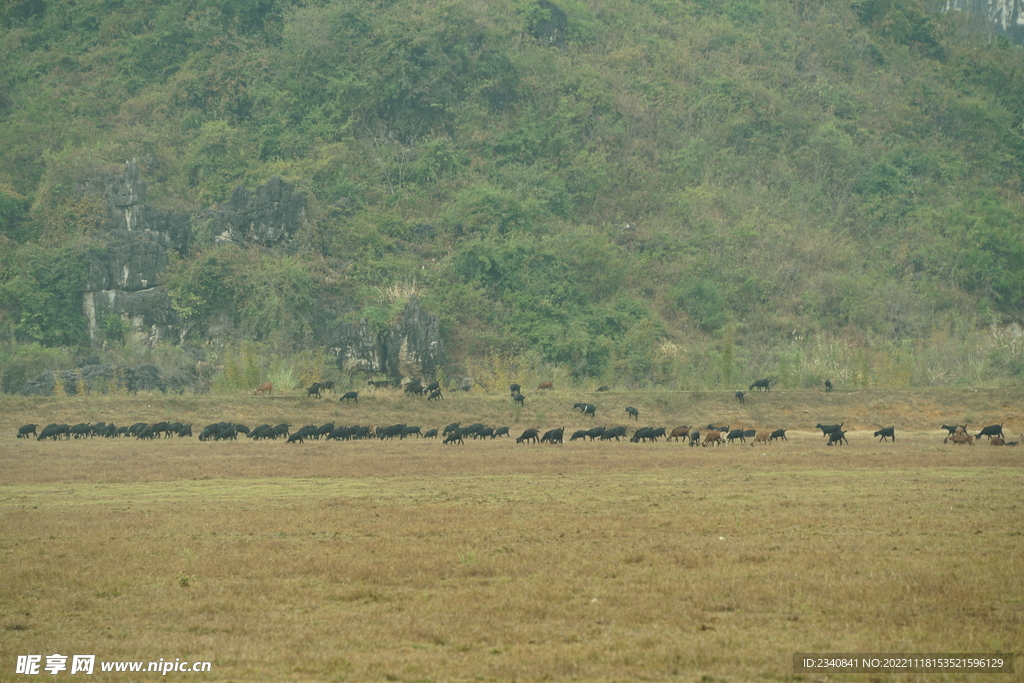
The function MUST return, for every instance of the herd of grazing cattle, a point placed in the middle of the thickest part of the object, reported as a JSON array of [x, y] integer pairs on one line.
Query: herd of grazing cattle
[[454, 433]]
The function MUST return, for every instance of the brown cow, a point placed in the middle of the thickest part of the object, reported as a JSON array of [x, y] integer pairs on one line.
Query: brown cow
[[960, 439], [678, 432], [546, 385], [714, 436], [762, 435], [996, 441], [267, 387]]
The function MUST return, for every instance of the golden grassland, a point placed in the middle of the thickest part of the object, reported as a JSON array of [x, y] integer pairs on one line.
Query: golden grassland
[[415, 561]]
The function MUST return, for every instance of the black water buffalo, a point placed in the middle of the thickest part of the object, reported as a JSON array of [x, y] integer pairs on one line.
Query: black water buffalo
[[314, 390], [350, 396], [633, 413], [406, 431], [297, 437], [778, 434], [828, 386], [454, 436], [26, 430], [434, 395], [740, 397], [430, 433], [578, 434], [514, 389], [500, 431], [54, 431], [520, 399], [887, 433], [952, 429], [760, 385], [694, 437], [595, 433], [450, 428]]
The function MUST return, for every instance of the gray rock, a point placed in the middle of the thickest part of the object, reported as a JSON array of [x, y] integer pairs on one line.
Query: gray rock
[[412, 347]]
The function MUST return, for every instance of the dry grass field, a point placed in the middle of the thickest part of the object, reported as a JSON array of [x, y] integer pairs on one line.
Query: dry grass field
[[415, 561]]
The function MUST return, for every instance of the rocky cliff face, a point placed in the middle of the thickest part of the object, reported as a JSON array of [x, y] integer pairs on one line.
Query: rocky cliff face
[[411, 348], [125, 269], [1007, 16]]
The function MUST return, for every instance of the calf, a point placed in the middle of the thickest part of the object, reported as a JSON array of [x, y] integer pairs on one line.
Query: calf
[[266, 387], [760, 385], [739, 396], [887, 433], [778, 434], [350, 396], [434, 395], [828, 386], [633, 413], [837, 437], [996, 441], [960, 439]]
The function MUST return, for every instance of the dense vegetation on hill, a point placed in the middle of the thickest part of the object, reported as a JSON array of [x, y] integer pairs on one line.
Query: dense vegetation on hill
[[684, 192]]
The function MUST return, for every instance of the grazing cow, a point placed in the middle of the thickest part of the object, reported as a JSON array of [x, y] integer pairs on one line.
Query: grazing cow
[[262, 432], [530, 434], [739, 397], [589, 409], [749, 433], [760, 385], [297, 437], [520, 399], [724, 430], [714, 436], [990, 431], [433, 386], [952, 429], [434, 395], [184, 430], [778, 434], [327, 386], [829, 429], [411, 430], [500, 431], [474, 429], [960, 439], [553, 435], [339, 434], [837, 437], [996, 441], [265, 388], [828, 386], [546, 385], [678, 432], [54, 431], [282, 430], [25, 430], [514, 389], [578, 434], [633, 413], [642, 434], [325, 430], [887, 433], [595, 433], [735, 434], [613, 433], [694, 438], [762, 436], [430, 433], [414, 387], [80, 430], [604, 388], [314, 390], [450, 428], [350, 396], [454, 437]]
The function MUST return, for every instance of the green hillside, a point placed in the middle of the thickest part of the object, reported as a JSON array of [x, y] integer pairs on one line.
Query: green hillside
[[687, 193]]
